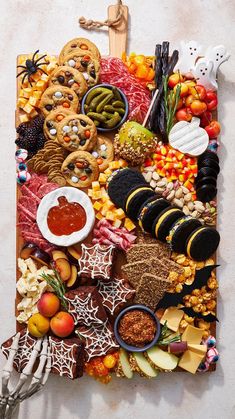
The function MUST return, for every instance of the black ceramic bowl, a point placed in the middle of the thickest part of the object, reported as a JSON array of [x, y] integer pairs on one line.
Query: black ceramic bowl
[[131, 348]]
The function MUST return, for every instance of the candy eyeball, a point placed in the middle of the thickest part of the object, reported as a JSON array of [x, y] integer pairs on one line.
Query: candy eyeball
[[21, 155], [21, 167], [23, 177]]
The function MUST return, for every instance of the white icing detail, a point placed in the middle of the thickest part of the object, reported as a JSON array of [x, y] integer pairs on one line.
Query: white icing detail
[[103, 147], [66, 128], [114, 293], [98, 339], [95, 154], [53, 131], [96, 261], [71, 63], [188, 137], [58, 95], [51, 200], [61, 357], [82, 310], [188, 53], [74, 179]]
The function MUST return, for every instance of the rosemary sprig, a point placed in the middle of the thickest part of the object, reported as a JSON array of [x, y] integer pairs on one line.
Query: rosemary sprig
[[165, 334], [58, 286], [171, 101]]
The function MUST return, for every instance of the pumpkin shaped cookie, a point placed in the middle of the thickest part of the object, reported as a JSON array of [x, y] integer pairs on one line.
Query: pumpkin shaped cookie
[[77, 132], [86, 64], [80, 169], [69, 77], [103, 152], [55, 96], [52, 120], [80, 44]]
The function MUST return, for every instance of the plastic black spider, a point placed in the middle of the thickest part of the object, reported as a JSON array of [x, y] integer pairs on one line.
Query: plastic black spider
[[31, 67]]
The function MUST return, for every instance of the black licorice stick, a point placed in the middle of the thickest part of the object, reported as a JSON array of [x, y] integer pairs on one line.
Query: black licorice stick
[[161, 117], [158, 65], [172, 62]]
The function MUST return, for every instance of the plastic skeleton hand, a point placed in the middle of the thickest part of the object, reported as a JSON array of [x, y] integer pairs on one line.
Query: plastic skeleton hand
[[188, 53], [9, 399]]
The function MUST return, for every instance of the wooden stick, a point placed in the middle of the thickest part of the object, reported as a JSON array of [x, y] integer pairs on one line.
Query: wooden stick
[[118, 33], [150, 108]]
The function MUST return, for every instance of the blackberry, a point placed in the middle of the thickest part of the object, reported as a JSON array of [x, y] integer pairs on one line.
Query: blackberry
[[31, 135]]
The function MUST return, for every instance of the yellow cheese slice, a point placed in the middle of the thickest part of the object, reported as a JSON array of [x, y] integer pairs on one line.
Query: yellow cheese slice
[[173, 317], [190, 361], [192, 335], [199, 349]]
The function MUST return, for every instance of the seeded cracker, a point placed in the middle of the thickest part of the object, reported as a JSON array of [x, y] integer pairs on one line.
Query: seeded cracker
[[151, 290], [146, 251]]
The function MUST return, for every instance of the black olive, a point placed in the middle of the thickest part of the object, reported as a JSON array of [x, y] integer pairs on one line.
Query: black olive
[[48, 107], [93, 74], [49, 124], [84, 63], [71, 166], [70, 97], [60, 79], [88, 170], [83, 123]]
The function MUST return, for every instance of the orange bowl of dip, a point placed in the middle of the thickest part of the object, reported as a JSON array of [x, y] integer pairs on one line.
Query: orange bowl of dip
[[65, 216]]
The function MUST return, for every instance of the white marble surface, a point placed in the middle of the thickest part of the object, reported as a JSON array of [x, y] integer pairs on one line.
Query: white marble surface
[[26, 26]]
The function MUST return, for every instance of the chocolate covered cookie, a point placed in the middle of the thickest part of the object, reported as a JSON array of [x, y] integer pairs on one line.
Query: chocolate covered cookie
[[77, 132], [80, 44], [69, 77], [80, 169], [58, 96]]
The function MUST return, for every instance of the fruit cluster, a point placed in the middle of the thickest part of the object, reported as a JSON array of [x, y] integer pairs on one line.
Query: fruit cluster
[[195, 100], [140, 66], [100, 367]]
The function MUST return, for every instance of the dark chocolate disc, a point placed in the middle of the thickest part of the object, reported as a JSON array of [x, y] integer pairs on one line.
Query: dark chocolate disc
[[206, 193], [206, 180]]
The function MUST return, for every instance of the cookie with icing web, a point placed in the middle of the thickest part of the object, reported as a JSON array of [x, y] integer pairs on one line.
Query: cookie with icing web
[[96, 261], [67, 357], [115, 293]]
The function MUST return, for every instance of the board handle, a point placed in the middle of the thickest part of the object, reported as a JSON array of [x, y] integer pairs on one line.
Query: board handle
[[118, 33]]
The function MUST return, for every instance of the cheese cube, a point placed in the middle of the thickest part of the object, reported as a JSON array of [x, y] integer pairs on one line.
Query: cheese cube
[[90, 193], [37, 94], [99, 216], [110, 216], [41, 84], [21, 102], [33, 101], [128, 224], [110, 205], [44, 76], [96, 195], [24, 118], [102, 178], [28, 108], [117, 223], [27, 91], [33, 113], [97, 206], [119, 214], [108, 172], [113, 165], [122, 163], [95, 186], [190, 361]]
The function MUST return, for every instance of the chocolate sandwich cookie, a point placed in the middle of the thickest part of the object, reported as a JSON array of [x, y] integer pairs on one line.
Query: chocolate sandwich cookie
[[69, 77], [136, 198], [80, 169], [121, 182], [205, 171], [180, 231], [164, 221], [206, 180], [79, 44], [207, 155], [150, 210], [210, 163], [86, 64], [206, 193], [202, 243], [77, 132], [58, 96], [52, 120]]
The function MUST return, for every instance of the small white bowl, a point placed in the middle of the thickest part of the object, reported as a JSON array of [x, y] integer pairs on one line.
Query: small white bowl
[[51, 200]]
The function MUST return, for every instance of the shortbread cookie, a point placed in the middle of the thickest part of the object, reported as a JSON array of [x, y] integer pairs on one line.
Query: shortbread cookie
[[52, 120], [86, 64], [55, 96], [81, 44], [103, 152], [80, 169], [69, 77], [77, 133]]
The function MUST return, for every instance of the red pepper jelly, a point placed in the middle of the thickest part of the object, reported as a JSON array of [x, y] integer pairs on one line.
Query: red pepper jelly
[[66, 218]]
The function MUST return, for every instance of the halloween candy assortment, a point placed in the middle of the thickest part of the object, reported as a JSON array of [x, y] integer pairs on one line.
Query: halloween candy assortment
[[117, 168]]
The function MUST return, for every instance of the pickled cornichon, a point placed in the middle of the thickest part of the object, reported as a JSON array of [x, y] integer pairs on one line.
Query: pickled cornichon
[[105, 106]]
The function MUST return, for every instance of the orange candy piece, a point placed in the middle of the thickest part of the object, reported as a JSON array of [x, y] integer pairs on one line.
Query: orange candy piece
[[66, 105], [66, 139]]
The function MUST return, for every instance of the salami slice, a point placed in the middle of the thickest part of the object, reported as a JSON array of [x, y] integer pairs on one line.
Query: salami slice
[[46, 188]]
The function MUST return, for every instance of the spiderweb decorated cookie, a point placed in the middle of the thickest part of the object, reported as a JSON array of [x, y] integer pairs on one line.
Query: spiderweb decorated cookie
[[67, 357], [96, 261], [115, 293], [99, 339], [85, 305]]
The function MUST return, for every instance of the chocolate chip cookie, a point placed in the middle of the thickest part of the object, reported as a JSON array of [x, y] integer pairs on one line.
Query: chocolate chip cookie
[[52, 120], [103, 152], [86, 64], [69, 77], [80, 44], [80, 169], [56, 96], [77, 132]]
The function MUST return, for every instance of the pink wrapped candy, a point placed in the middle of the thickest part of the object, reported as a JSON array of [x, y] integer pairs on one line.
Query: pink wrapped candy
[[212, 356]]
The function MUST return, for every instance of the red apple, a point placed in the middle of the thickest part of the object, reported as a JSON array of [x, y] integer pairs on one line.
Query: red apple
[[49, 304], [62, 324]]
